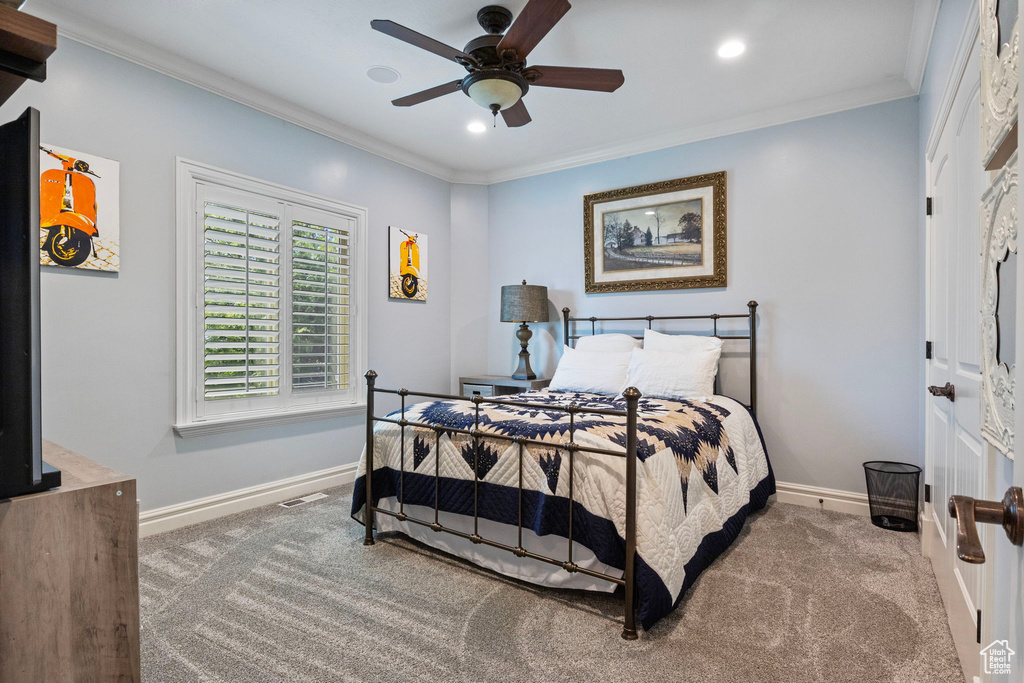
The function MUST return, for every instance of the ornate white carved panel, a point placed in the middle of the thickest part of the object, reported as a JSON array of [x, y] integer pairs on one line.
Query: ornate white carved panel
[[998, 240], [999, 82]]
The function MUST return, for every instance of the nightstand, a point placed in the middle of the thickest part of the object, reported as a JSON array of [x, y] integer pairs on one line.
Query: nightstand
[[496, 385]]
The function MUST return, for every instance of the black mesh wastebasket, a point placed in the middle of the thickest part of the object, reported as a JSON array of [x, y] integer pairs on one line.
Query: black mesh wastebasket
[[892, 494]]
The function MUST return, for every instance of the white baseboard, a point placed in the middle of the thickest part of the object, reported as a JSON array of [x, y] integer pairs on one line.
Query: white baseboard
[[204, 509], [822, 498]]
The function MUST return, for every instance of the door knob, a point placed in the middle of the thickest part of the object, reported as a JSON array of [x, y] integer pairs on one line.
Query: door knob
[[967, 511], [949, 391]]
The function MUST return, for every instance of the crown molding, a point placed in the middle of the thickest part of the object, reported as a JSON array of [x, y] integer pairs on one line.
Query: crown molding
[[88, 32], [896, 89]]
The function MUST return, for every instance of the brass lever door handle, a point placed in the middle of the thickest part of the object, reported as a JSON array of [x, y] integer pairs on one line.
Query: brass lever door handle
[[949, 391], [967, 511]]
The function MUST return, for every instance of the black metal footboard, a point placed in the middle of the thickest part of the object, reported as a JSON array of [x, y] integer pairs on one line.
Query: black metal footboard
[[632, 396]]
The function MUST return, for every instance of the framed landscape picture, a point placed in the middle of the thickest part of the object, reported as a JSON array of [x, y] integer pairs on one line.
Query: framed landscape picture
[[667, 235]]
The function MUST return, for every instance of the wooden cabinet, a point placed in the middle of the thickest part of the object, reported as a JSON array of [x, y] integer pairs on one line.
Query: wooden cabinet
[[69, 578], [496, 385]]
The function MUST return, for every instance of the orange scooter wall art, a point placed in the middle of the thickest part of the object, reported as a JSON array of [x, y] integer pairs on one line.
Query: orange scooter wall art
[[407, 263], [79, 210]]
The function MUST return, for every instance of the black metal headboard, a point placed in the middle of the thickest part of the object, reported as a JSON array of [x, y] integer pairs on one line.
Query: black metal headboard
[[751, 316]]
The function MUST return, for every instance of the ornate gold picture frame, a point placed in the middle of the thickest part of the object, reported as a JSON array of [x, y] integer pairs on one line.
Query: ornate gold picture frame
[[667, 235]]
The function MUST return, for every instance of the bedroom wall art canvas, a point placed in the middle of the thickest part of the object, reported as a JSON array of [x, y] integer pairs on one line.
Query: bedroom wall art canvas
[[407, 264], [79, 208], [666, 235]]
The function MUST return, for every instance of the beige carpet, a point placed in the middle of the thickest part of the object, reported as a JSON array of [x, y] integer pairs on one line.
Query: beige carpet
[[292, 595]]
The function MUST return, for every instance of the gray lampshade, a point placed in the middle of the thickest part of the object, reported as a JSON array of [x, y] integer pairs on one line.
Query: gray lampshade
[[524, 303]]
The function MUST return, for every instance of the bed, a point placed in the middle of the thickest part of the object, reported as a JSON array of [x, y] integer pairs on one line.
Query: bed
[[571, 489]]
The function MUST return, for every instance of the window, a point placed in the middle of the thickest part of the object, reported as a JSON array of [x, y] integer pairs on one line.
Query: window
[[271, 282], [320, 305]]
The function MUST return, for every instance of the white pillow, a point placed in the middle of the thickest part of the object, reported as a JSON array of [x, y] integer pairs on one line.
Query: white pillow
[[607, 342], [593, 372], [681, 343], [670, 374]]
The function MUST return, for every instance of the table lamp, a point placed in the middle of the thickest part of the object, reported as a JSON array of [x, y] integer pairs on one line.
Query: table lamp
[[524, 304]]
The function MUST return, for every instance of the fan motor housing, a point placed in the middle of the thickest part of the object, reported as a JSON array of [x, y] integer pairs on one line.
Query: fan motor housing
[[483, 49], [494, 19]]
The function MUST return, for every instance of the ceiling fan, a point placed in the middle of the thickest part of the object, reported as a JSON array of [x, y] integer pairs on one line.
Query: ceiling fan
[[498, 75]]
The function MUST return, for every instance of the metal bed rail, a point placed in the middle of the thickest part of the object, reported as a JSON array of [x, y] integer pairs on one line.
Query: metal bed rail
[[571, 326], [632, 397]]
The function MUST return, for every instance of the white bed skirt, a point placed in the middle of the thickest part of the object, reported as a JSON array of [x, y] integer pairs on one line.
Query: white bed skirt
[[496, 559]]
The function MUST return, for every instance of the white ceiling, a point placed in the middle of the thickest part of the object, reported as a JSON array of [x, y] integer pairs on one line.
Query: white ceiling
[[306, 60]]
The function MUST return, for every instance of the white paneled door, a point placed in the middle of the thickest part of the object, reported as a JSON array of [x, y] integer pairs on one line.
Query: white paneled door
[[958, 461]]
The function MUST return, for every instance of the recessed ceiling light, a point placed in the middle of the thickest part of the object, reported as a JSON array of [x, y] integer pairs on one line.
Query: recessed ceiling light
[[648, 213], [383, 74], [476, 127], [730, 49]]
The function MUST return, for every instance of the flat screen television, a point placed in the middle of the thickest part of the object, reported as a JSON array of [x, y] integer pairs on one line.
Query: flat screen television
[[22, 469]]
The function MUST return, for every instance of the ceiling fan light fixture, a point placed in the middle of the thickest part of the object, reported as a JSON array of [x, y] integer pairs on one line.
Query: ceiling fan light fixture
[[497, 88], [498, 74]]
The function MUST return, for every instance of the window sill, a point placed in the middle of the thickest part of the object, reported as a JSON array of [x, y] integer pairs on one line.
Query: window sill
[[236, 423]]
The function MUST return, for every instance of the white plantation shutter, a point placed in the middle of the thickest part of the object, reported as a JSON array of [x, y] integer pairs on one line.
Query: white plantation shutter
[[270, 282], [241, 302], [320, 307]]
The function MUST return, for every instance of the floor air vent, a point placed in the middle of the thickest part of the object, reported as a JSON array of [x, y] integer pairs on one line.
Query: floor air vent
[[302, 501]]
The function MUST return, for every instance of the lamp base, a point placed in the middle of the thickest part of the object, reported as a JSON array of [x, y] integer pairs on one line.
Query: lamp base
[[524, 371]]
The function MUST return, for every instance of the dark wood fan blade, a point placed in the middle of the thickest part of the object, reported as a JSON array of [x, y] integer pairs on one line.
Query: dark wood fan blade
[[532, 24], [577, 78], [421, 41], [516, 115], [428, 94]]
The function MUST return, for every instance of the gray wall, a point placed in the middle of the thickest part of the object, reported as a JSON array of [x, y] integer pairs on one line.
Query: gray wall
[[470, 303], [823, 225], [108, 341]]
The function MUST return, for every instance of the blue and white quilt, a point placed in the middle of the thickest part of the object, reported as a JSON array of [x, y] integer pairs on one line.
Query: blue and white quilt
[[702, 469]]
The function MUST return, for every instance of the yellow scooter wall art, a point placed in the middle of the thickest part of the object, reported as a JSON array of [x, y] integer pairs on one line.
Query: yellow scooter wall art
[[78, 210], [408, 265]]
